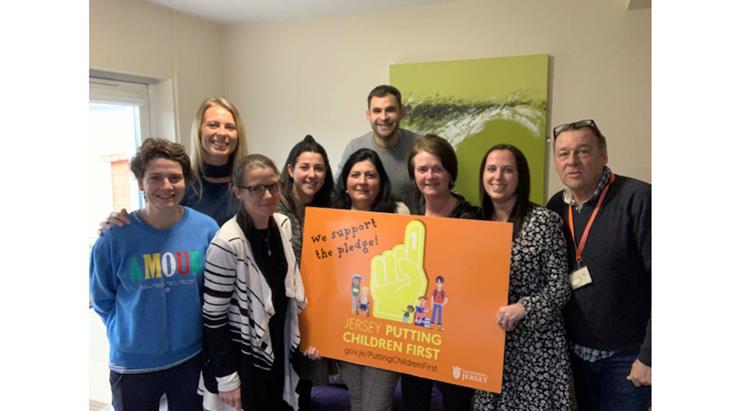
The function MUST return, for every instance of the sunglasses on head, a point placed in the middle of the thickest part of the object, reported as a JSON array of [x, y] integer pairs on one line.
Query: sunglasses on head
[[576, 126]]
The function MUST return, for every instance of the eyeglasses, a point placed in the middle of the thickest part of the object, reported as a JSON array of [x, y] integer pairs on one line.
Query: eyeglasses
[[260, 189], [577, 126]]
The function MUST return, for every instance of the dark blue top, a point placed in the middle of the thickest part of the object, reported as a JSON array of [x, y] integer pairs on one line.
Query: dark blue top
[[217, 201], [613, 312]]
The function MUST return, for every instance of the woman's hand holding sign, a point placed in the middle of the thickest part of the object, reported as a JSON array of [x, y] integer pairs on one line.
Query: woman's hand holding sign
[[397, 277], [508, 316]]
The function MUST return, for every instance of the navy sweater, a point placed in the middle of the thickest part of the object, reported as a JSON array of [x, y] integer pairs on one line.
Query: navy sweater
[[217, 200], [614, 311]]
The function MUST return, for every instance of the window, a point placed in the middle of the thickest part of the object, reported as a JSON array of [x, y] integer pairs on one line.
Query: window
[[118, 122]]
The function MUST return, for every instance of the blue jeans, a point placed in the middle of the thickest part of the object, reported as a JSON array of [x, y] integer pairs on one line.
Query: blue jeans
[[601, 385], [437, 311], [141, 392]]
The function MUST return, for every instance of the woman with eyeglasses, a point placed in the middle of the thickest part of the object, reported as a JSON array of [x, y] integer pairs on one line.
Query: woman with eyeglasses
[[364, 186], [218, 139], [433, 166], [307, 181], [252, 295], [536, 370]]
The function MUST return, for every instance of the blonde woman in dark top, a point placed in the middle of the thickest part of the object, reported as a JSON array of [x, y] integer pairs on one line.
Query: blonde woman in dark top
[[218, 139]]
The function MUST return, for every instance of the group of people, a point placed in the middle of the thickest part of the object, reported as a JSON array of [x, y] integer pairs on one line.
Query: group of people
[[200, 289]]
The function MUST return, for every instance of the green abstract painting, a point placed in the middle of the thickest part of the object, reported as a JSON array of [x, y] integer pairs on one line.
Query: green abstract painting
[[475, 104]]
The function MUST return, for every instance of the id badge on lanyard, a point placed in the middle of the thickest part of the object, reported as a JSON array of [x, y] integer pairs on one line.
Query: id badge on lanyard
[[581, 275]]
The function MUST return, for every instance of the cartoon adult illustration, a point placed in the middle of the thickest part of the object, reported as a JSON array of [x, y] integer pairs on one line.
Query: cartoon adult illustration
[[356, 281], [439, 299], [364, 301]]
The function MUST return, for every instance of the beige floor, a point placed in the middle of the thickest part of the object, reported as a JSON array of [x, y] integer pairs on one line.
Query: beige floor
[[98, 406]]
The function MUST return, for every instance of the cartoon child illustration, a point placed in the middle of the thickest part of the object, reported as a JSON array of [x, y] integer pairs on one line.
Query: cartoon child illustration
[[439, 300], [364, 301], [420, 316], [407, 313], [356, 281]]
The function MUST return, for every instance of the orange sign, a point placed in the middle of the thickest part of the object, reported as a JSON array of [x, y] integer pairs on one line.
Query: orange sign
[[412, 294]]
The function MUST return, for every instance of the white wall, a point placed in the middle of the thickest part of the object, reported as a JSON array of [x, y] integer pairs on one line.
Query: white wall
[[312, 76], [135, 37]]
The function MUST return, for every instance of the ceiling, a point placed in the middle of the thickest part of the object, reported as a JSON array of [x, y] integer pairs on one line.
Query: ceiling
[[242, 11]]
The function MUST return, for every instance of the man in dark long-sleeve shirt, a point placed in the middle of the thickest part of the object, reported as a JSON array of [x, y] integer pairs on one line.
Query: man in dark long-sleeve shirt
[[608, 229]]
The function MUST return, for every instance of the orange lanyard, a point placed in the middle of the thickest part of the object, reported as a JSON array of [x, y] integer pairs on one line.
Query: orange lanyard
[[585, 235]]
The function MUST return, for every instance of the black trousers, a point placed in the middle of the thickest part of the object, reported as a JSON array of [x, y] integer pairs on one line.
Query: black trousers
[[142, 392], [416, 394]]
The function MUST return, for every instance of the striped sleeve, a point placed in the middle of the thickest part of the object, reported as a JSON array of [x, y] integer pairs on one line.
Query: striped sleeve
[[219, 278]]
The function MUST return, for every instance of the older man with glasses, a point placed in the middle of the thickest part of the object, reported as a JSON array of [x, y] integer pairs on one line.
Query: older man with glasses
[[608, 229]]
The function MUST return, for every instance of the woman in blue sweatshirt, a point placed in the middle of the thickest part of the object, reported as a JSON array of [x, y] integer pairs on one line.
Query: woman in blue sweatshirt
[[146, 283]]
